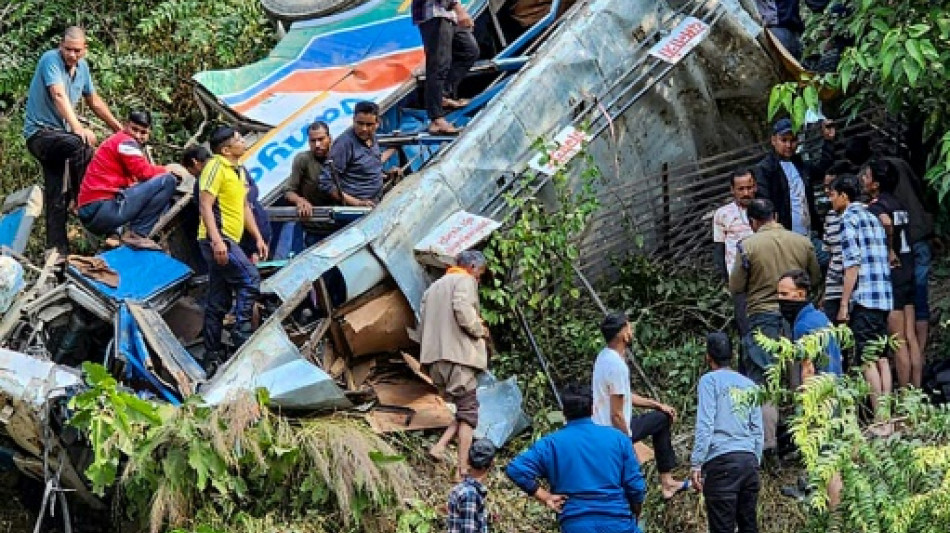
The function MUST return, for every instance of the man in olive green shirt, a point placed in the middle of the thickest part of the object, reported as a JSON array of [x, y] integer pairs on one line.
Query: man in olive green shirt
[[762, 260], [302, 191]]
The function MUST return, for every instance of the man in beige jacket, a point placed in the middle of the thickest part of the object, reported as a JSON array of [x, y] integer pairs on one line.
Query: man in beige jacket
[[453, 351]]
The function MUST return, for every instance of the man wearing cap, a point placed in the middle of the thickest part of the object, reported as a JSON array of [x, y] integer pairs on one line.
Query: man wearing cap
[[786, 180], [467, 511], [123, 188], [614, 402], [53, 133], [453, 347], [225, 216], [593, 476]]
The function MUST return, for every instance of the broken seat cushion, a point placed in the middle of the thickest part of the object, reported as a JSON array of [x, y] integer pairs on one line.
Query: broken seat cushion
[[143, 274]]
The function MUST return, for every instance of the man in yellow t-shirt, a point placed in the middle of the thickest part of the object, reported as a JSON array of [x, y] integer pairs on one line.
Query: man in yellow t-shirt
[[225, 215]]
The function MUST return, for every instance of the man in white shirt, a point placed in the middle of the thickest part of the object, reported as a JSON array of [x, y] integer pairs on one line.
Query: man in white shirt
[[614, 401]]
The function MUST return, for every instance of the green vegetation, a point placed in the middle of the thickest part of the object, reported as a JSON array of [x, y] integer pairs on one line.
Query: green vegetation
[[237, 463], [900, 61], [142, 54]]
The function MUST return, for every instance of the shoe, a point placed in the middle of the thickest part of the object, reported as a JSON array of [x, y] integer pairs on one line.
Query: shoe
[[138, 242]]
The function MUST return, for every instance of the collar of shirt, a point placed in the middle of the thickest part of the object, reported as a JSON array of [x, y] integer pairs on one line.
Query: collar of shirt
[[586, 421], [475, 484], [770, 226]]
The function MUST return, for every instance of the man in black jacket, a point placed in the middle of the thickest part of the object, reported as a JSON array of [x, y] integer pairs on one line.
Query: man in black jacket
[[785, 179]]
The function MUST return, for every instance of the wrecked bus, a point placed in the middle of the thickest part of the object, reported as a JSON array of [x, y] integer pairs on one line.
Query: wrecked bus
[[639, 84]]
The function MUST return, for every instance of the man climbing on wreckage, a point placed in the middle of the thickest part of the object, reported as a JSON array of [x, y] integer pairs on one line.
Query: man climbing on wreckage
[[453, 348], [123, 188], [225, 216]]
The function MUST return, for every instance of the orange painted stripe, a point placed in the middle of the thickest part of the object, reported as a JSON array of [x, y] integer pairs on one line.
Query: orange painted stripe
[[369, 76]]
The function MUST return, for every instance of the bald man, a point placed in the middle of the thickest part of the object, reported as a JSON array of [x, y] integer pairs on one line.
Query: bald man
[[53, 133]]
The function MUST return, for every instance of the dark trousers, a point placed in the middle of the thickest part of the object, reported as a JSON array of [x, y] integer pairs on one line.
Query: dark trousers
[[757, 359], [657, 425], [450, 53], [54, 149], [238, 276], [731, 491], [867, 325], [139, 207]]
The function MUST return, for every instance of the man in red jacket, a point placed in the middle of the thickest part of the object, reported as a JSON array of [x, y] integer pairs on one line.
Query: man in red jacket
[[123, 188]]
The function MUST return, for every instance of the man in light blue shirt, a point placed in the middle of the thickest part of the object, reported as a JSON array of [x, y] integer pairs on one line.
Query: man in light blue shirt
[[53, 133], [728, 445]]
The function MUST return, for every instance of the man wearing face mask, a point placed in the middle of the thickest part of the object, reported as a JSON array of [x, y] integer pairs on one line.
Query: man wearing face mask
[[806, 319]]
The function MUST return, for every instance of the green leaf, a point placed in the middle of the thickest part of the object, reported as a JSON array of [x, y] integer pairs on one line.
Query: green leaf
[[381, 458], [847, 70], [917, 30], [913, 71], [928, 50], [810, 97], [775, 98], [913, 48], [887, 67]]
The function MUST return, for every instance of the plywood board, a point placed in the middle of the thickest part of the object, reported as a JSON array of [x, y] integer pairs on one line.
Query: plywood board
[[430, 410]]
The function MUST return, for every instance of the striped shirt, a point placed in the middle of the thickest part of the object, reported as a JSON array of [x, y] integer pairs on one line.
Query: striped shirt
[[423, 10], [834, 280], [864, 244]]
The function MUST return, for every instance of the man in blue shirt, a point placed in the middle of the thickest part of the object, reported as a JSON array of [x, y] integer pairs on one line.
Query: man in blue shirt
[[594, 477], [727, 448], [354, 173], [53, 133], [806, 319]]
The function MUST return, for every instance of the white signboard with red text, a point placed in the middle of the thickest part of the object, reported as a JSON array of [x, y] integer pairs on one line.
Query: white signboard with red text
[[455, 234], [567, 143], [684, 37]]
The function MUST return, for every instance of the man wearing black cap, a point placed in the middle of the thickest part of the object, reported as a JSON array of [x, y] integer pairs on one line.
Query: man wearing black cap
[[225, 216], [467, 512], [786, 180]]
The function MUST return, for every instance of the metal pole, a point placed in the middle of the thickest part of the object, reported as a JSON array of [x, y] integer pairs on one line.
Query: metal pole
[[541, 359]]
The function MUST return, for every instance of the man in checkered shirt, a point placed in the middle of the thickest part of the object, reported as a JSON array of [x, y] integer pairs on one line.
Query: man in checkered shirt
[[866, 296], [467, 500]]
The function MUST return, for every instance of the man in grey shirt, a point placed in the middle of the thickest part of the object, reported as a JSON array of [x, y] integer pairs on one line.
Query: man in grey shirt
[[728, 445], [356, 176]]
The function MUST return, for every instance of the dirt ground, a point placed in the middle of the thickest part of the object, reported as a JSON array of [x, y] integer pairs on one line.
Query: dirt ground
[[14, 517]]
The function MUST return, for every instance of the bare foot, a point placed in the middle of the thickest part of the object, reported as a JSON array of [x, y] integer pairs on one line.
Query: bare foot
[[436, 453], [674, 488], [440, 125]]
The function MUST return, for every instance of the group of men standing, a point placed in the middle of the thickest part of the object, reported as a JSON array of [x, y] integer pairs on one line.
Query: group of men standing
[[866, 266]]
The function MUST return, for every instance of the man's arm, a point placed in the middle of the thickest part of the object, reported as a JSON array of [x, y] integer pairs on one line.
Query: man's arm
[[719, 260], [814, 271], [643, 402], [57, 93], [135, 163], [851, 261], [705, 419], [465, 307], [758, 431], [101, 110], [340, 154], [738, 278], [304, 207], [850, 280], [617, 418], [206, 210], [464, 20], [527, 468]]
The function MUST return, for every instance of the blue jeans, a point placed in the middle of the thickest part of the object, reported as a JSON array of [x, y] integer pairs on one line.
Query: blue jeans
[[238, 276], [140, 206], [757, 359], [600, 525], [922, 258]]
